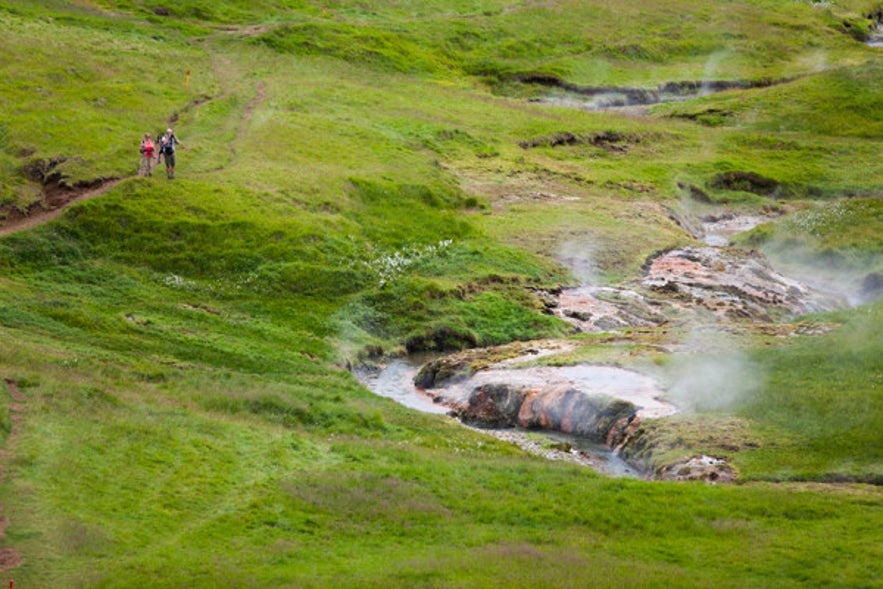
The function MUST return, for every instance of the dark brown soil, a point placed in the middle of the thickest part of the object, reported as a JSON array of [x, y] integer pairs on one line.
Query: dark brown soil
[[56, 197], [9, 559]]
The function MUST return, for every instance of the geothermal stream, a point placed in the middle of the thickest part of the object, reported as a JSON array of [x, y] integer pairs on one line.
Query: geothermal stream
[[590, 412], [396, 381]]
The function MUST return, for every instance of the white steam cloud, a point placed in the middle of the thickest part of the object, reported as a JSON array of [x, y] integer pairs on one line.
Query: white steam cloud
[[580, 255], [712, 67], [712, 374]]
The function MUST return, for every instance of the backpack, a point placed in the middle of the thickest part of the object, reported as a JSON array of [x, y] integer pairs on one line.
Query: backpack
[[167, 144]]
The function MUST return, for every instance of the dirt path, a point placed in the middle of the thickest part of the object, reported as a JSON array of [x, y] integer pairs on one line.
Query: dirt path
[[9, 557], [56, 200], [224, 66]]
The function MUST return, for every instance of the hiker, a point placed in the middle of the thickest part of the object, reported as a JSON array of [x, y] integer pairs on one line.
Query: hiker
[[167, 144], [146, 148]]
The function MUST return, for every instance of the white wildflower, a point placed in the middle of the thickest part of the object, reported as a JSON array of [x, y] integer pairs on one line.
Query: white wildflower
[[389, 266]]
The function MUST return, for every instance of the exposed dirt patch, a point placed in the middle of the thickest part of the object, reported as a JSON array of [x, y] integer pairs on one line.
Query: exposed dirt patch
[[708, 116], [9, 559], [612, 141], [56, 198], [746, 182], [695, 193], [13, 390], [195, 103], [44, 171], [440, 338]]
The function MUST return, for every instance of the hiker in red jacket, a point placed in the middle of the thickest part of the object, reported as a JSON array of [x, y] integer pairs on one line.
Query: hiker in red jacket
[[147, 148]]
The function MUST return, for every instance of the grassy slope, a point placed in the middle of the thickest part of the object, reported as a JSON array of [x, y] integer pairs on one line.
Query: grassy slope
[[189, 335]]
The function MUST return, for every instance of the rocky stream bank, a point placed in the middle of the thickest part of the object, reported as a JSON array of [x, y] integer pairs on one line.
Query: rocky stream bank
[[601, 410]]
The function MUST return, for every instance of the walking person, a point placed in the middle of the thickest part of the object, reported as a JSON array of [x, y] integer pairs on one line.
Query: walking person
[[146, 148], [167, 145]]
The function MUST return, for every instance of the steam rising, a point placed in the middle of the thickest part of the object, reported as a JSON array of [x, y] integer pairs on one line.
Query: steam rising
[[829, 277], [801, 249], [711, 68], [712, 373], [816, 61], [579, 256]]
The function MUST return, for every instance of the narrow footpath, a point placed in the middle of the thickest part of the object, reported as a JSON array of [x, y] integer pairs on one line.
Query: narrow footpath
[[57, 198], [54, 204]]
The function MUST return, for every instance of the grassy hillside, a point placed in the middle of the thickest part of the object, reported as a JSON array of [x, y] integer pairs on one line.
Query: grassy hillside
[[358, 179]]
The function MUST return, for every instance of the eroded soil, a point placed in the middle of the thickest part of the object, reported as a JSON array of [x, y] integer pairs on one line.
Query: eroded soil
[[56, 198]]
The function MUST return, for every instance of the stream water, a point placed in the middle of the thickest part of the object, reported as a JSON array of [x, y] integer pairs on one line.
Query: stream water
[[396, 381], [720, 282], [593, 309], [718, 230]]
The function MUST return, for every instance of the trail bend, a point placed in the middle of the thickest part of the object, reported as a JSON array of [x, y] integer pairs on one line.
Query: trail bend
[[57, 198]]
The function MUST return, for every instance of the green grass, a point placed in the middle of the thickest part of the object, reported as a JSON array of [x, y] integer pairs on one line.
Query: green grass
[[310, 503], [823, 396], [84, 104], [372, 178], [844, 233]]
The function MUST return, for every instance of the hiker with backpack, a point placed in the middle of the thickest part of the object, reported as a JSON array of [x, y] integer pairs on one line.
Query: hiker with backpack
[[167, 145], [146, 148]]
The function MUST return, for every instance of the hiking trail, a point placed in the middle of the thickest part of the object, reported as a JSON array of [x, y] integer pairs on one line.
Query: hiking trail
[[58, 197], [56, 200]]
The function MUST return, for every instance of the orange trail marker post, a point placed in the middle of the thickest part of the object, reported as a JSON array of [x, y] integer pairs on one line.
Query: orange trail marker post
[[187, 79]]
